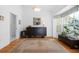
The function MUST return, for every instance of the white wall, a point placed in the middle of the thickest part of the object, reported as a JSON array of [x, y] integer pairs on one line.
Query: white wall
[[4, 29], [15, 9], [45, 16], [5, 24]]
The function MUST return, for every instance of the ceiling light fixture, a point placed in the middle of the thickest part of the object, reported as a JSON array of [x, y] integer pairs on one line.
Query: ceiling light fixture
[[36, 9]]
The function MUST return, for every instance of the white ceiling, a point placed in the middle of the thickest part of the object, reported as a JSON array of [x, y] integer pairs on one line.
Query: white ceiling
[[53, 9]]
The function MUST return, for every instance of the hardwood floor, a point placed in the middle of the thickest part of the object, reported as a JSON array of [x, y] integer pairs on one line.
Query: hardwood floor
[[15, 42], [10, 46]]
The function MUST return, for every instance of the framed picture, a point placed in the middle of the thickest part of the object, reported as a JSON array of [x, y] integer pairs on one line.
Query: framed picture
[[1, 17], [36, 21], [19, 22]]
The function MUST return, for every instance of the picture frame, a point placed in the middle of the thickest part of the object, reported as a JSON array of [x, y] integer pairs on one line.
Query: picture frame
[[1, 17], [36, 21]]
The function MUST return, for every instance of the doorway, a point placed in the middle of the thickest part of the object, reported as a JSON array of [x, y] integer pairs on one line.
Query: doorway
[[12, 26]]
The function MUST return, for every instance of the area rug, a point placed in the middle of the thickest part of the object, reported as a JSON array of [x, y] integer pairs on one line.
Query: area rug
[[38, 46]]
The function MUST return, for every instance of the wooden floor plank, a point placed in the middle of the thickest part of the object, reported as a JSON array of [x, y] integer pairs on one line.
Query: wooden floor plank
[[15, 42], [10, 46]]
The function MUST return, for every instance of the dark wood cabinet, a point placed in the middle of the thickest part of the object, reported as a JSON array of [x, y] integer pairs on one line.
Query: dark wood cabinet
[[40, 31], [35, 32]]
